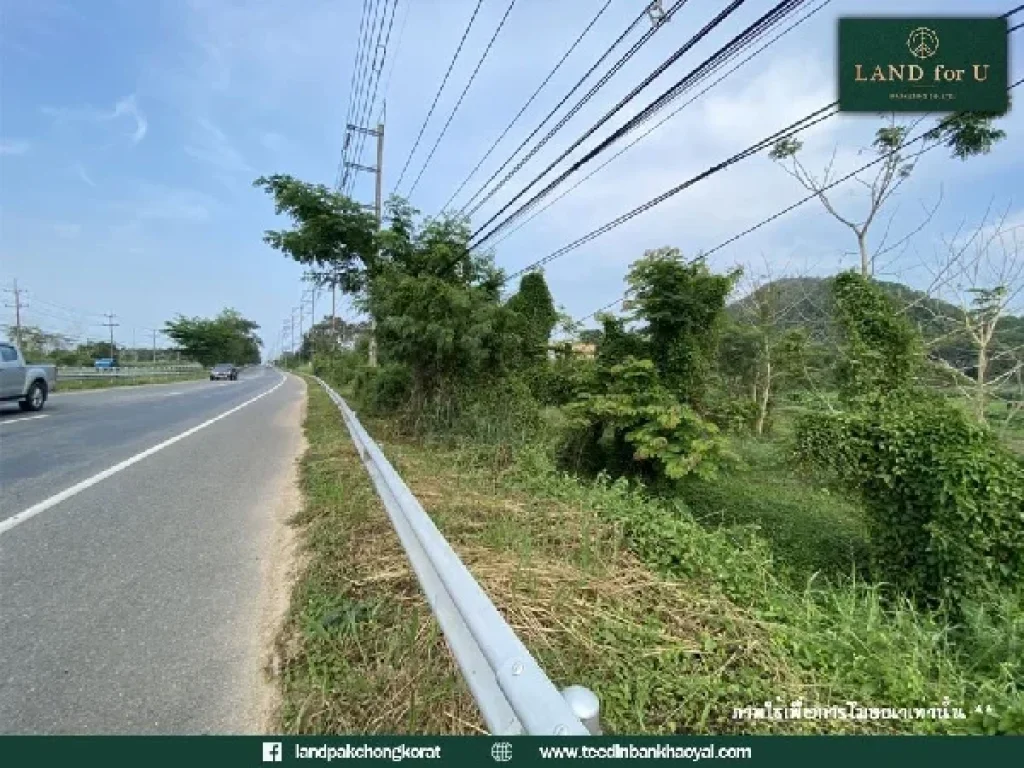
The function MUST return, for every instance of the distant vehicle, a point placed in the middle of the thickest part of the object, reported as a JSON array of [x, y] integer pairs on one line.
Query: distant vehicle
[[30, 385], [105, 362], [223, 371]]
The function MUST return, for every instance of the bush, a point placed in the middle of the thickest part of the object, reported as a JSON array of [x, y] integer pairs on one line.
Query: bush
[[637, 428], [383, 389], [945, 498]]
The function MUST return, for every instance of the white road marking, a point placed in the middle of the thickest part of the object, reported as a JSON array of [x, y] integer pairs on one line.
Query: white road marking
[[24, 418], [172, 394], [67, 493]]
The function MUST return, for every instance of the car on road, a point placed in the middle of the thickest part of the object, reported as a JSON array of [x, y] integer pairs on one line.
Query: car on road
[[223, 371], [30, 385]]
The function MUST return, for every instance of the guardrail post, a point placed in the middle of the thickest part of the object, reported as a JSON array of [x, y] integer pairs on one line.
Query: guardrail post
[[585, 705]]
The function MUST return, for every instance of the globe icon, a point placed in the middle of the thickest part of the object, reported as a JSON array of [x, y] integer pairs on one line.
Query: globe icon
[[501, 751], [923, 42]]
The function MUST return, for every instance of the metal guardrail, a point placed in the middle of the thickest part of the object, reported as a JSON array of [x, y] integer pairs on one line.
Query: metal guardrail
[[511, 690], [122, 373]]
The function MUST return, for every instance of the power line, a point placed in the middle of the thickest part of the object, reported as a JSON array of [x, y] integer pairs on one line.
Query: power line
[[437, 96], [373, 74], [672, 114], [756, 29], [791, 130], [394, 59], [529, 101], [342, 176], [363, 88], [462, 95], [579, 105], [763, 222]]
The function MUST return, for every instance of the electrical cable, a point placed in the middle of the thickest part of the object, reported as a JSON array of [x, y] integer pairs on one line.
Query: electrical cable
[[437, 96], [342, 176], [669, 116], [462, 95], [756, 29], [593, 68], [763, 222], [529, 101]]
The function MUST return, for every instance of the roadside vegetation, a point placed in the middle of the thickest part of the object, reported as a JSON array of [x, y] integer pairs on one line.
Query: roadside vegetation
[[227, 337], [736, 491], [74, 385]]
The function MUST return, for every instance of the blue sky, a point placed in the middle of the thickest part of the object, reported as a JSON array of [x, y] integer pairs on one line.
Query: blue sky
[[130, 133]]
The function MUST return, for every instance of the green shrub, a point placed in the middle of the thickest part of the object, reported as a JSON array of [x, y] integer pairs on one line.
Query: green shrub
[[637, 428], [383, 389], [944, 496]]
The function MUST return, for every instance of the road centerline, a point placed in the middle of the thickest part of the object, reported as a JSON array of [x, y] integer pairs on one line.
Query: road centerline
[[36, 509]]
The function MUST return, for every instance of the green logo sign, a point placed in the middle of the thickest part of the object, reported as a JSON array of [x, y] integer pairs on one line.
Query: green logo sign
[[923, 65]]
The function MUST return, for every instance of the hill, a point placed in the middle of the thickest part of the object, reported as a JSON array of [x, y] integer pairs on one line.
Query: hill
[[806, 302]]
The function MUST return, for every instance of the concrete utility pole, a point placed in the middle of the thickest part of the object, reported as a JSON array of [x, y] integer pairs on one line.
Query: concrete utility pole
[[18, 306], [378, 203], [111, 325], [154, 346]]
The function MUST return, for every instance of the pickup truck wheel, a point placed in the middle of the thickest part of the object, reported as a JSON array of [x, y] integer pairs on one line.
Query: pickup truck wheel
[[34, 398]]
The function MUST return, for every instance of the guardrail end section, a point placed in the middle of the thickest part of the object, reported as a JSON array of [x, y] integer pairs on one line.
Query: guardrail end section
[[585, 705]]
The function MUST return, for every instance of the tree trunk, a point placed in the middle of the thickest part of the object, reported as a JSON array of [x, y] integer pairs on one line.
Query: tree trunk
[[762, 412], [980, 400], [866, 267]]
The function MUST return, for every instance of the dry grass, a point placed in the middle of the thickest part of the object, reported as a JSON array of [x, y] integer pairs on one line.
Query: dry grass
[[362, 653]]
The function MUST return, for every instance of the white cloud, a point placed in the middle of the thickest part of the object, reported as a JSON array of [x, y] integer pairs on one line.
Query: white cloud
[[126, 107], [211, 146], [81, 173], [155, 202], [13, 147]]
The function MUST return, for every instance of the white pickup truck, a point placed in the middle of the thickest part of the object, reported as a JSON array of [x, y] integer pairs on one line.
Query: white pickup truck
[[30, 385]]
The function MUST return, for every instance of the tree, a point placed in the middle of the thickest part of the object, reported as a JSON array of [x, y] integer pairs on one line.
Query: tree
[[226, 338], [761, 349], [533, 303], [966, 133], [39, 345], [881, 351], [438, 308], [331, 231], [331, 335], [991, 282], [643, 414], [682, 306]]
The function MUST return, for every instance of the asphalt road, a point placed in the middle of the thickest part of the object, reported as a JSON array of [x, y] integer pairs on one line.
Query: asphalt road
[[137, 530]]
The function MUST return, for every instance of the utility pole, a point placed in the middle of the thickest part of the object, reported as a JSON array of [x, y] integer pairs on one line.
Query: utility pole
[[154, 345], [378, 170], [111, 325], [18, 306]]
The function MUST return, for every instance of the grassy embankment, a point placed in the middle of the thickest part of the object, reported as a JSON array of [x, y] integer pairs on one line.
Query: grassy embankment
[[74, 385], [673, 611]]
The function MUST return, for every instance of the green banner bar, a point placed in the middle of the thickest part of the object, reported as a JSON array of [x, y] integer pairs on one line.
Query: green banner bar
[[942, 64], [477, 751]]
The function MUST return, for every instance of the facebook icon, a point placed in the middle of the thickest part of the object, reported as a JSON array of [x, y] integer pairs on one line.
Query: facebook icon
[[272, 752]]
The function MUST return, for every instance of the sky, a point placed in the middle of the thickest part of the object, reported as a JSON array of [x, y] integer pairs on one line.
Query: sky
[[131, 133]]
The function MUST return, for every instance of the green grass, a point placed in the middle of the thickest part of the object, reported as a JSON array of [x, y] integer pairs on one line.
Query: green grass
[[673, 622], [74, 385], [811, 529], [360, 652]]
